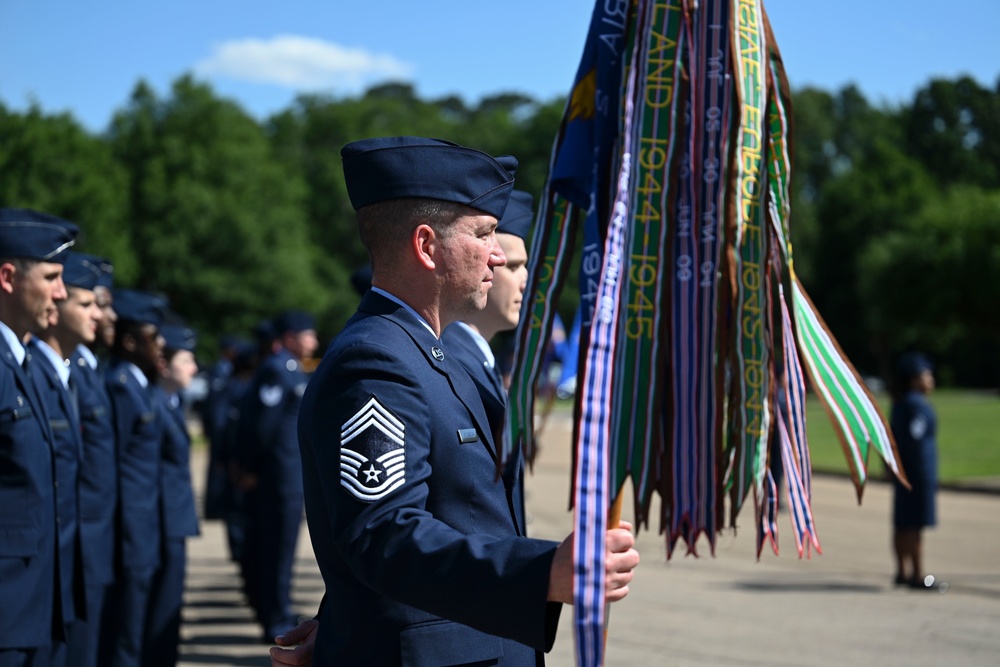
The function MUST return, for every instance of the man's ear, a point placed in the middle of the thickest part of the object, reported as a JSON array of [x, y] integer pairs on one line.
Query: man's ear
[[425, 244], [129, 342], [7, 273]]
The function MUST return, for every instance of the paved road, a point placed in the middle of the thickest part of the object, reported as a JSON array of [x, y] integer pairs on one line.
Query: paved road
[[837, 608]]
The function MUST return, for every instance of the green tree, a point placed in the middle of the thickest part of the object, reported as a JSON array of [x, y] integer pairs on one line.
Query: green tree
[[51, 164], [218, 223], [308, 137], [953, 128], [878, 196], [832, 135], [932, 283]]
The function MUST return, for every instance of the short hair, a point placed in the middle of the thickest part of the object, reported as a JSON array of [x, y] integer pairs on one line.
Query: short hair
[[123, 328], [385, 227], [73, 289], [22, 264], [170, 352]]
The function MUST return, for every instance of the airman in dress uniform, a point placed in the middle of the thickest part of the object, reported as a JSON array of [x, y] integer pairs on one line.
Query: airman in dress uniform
[[468, 341], [178, 517], [74, 321], [213, 413], [914, 427], [138, 435], [33, 249], [98, 483], [268, 453], [415, 536]]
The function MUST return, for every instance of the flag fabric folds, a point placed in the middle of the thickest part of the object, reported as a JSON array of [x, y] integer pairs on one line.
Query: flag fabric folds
[[697, 341]]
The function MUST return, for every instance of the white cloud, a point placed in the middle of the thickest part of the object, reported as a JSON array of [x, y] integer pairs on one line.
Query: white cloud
[[300, 63]]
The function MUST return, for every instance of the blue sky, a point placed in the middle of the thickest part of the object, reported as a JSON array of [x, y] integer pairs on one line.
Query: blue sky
[[85, 56]]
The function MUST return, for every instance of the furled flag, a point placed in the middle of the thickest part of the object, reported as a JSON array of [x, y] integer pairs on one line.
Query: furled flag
[[697, 340]]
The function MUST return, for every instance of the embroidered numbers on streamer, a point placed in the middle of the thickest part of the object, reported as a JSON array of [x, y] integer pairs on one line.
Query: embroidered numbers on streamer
[[372, 452]]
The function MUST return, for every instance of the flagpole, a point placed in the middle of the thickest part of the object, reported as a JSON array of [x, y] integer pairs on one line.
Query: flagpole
[[614, 517]]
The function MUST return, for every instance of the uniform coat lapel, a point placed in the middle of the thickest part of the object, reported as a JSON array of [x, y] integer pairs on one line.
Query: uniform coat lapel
[[437, 357]]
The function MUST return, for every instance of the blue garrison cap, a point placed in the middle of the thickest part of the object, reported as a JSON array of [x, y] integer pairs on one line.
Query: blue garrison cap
[[518, 217], [82, 270], [293, 320], [263, 332], [138, 306], [35, 235], [177, 336], [911, 364], [107, 277], [386, 168], [229, 342]]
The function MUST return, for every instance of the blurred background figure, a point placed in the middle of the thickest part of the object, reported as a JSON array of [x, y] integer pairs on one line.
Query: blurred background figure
[[271, 471], [214, 415], [178, 518], [230, 502], [135, 357], [914, 427]]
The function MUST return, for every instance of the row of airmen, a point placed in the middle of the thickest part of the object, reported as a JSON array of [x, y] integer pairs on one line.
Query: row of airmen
[[95, 487], [254, 484]]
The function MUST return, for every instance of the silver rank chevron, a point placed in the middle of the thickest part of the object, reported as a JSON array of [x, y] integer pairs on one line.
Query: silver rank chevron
[[372, 452]]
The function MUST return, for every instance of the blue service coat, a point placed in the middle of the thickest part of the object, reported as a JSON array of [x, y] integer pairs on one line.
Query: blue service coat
[[98, 474], [460, 342], [914, 427], [177, 511], [27, 511], [269, 448], [411, 527], [268, 444], [214, 414], [138, 433], [65, 424]]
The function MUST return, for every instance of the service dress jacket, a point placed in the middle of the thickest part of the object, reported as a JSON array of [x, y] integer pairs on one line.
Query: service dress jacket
[[461, 342], [64, 421], [138, 434], [28, 533], [177, 510], [268, 444], [98, 472], [413, 531]]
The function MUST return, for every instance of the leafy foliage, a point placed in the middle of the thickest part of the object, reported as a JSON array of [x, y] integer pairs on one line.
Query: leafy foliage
[[895, 211]]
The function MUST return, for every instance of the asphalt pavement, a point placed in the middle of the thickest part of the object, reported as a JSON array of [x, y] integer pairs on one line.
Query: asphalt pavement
[[835, 608]]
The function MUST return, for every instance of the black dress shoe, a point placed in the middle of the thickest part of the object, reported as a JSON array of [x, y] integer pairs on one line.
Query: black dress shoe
[[929, 583], [900, 580]]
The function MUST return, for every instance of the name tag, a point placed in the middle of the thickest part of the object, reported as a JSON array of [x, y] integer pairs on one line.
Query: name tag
[[467, 435]]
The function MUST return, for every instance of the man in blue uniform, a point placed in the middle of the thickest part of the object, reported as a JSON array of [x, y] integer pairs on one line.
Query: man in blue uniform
[[98, 483], [138, 433], [914, 427], [75, 321], [414, 534], [178, 518], [33, 247], [468, 341], [273, 472], [213, 414]]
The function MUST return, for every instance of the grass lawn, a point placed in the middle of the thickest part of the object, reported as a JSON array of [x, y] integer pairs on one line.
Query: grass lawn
[[968, 436]]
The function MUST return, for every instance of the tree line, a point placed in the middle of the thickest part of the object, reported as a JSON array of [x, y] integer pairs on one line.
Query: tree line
[[895, 209]]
